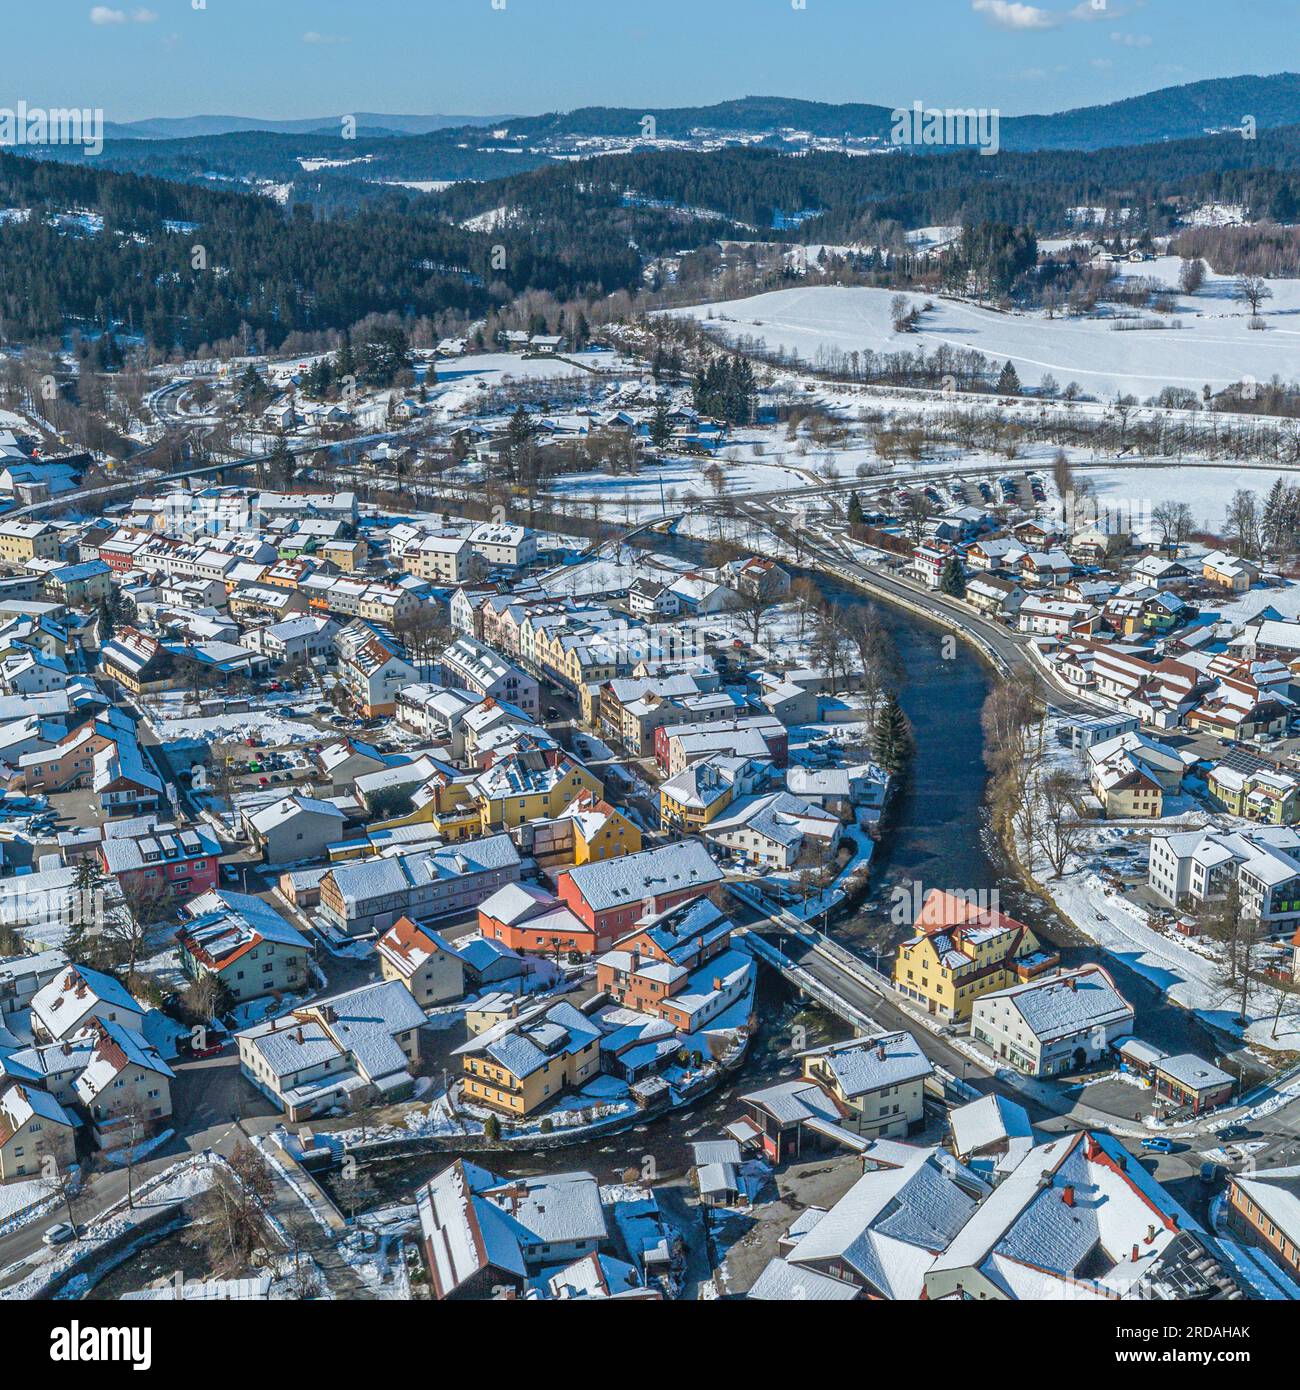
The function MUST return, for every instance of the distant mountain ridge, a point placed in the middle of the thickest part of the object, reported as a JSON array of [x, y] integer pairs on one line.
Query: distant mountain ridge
[[373, 123], [1170, 113]]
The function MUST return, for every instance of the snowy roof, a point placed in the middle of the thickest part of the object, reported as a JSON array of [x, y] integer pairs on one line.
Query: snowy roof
[[1064, 1004], [986, 1122], [867, 1064], [633, 878]]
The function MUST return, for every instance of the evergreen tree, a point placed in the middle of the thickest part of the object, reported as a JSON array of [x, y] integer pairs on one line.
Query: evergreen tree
[[891, 739], [661, 428], [951, 579], [855, 510], [1009, 381], [281, 465]]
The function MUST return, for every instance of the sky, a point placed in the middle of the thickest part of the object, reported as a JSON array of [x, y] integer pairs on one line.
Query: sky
[[280, 59]]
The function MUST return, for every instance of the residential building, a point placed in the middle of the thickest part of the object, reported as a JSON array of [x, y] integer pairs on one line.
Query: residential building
[[879, 1082], [523, 1064], [294, 828], [612, 896], [355, 1048], [246, 944], [34, 1128], [367, 896], [423, 961], [1062, 1023], [962, 951]]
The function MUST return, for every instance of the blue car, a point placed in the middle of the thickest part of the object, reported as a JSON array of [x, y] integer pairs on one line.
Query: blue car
[[1160, 1146]]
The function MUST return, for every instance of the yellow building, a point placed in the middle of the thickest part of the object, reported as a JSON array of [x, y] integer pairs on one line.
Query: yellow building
[[600, 831], [525, 1063], [696, 796], [21, 541], [34, 1129], [962, 951]]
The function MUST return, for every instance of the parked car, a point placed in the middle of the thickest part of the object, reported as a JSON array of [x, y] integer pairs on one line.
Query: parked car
[[1158, 1145], [1231, 1132], [59, 1234]]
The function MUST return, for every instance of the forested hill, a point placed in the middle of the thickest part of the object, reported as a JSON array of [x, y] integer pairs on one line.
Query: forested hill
[[1040, 189], [89, 244]]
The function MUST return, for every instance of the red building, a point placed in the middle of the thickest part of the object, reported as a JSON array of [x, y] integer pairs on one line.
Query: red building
[[612, 895], [186, 861]]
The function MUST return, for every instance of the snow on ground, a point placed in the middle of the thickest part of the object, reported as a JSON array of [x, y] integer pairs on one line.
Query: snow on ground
[[1207, 490], [1214, 343]]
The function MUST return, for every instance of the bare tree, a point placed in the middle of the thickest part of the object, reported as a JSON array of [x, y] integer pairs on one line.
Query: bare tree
[[1059, 830], [1252, 290]]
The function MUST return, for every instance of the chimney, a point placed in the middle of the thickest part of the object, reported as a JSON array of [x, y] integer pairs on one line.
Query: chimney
[[1151, 1235], [1067, 1195], [880, 1052], [717, 982], [1074, 984], [1136, 1254]]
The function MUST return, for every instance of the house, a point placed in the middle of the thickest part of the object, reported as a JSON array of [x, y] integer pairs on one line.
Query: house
[[185, 861], [21, 541], [1051, 617], [1063, 1023], [1160, 573], [757, 736], [1264, 796], [774, 830], [367, 896], [469, 664], [1230, 572], [782, 1119], [483, 1236], [994, 594], [757, 577], [647, 598], [703, 791], [612, 895], [1131, 773], [355, 1048], [246, 944], [21, 977], [76, 996], [527, 918], [1263, 1209], [524, 1063], [126, 1085], [961, 951], [504, 544], [677, 966], [1077, 1218], [34, 1129], [439, 559], [423, 961], [879, 1082], [293, 829]]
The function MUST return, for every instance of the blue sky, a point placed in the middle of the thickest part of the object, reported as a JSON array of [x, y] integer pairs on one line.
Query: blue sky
[[289, 58]]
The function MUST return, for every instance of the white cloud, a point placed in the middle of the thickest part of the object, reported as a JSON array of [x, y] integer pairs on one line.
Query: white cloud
[[1010, 14], [312, 36], [1132, 40], [104, 14]]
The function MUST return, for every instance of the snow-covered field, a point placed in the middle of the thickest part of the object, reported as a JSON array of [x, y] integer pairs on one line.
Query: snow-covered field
[[1213, 344]]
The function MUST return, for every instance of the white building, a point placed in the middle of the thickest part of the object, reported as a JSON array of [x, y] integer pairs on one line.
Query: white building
[[1060, 1024]]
